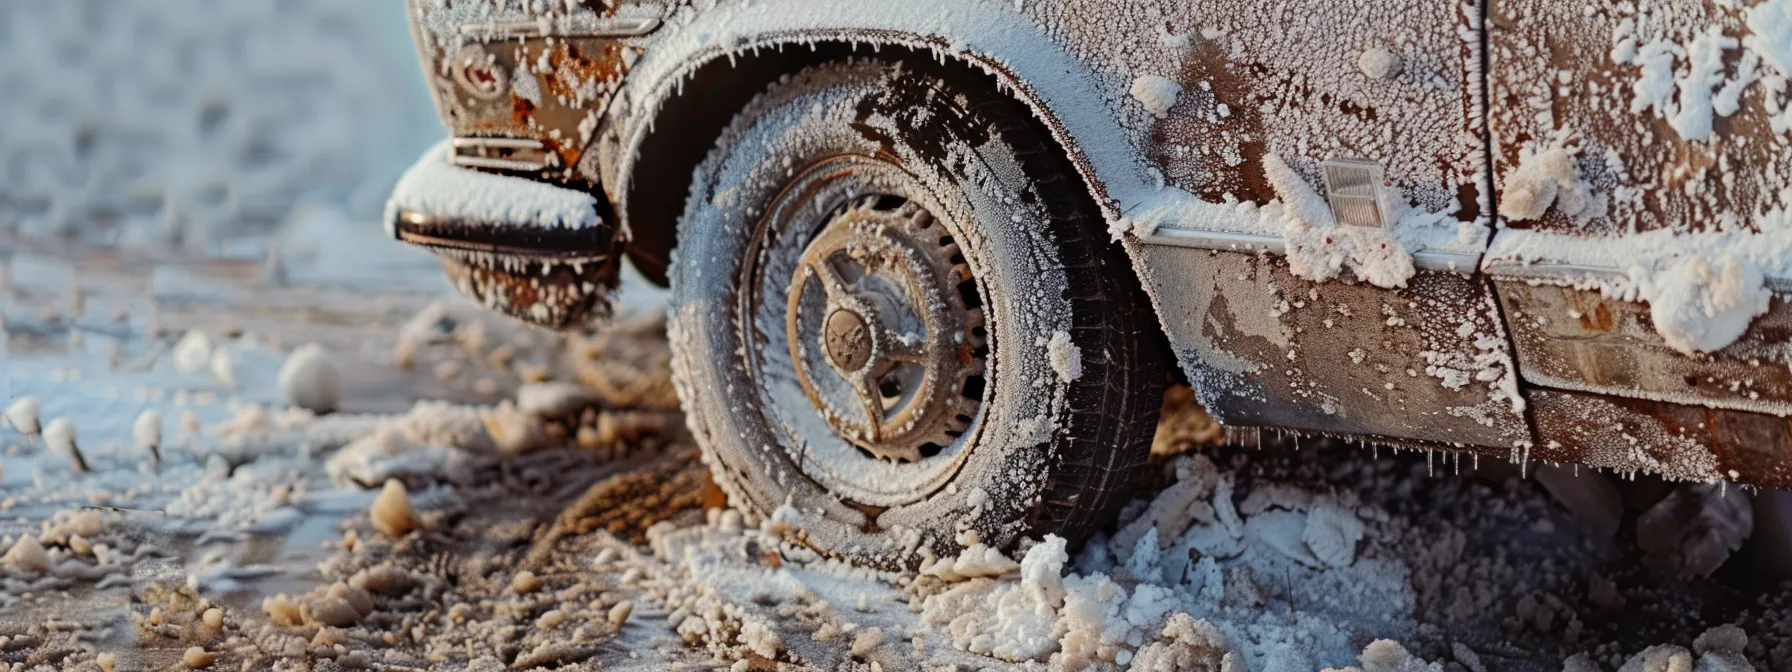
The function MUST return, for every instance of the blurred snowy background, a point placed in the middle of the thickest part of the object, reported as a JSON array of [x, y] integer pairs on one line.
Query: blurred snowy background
[[211, 126]]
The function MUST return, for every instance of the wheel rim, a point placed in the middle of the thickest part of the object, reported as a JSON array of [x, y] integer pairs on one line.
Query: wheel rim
[[868, 341]]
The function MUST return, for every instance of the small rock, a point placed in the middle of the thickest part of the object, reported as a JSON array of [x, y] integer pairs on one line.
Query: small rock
[[22, 415], [867, 641], [196, 658], [213, 619], [391, 511], [310, 380], [550, 619], [192, 352], [28, 556], [1725, 638], [619, 613], [60, 436], [330, 610], [357, 598], [383, 580], [525, 582], [283, 611], [108, 662], [148, 433]]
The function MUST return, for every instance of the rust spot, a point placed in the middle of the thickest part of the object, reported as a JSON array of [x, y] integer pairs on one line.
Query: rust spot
[[581, 76], [1602, 316], [871, 515], [521, 110]]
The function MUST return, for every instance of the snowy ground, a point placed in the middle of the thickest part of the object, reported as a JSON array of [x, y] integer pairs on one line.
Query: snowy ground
[[183, 212], [540, 509]]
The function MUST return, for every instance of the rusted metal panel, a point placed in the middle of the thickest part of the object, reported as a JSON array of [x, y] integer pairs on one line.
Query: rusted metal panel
[[1576, 339], [1262, 76], [1616, 84], [1672, 440], [546, 78], [1265, 348]]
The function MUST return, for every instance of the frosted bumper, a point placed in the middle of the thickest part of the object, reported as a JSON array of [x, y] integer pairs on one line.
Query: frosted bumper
[[534, 251]]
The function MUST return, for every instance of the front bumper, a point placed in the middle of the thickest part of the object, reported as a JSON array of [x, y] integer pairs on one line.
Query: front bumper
[[538, 252]]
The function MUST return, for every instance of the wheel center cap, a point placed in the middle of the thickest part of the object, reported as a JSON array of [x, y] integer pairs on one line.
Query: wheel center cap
[[847, 339]]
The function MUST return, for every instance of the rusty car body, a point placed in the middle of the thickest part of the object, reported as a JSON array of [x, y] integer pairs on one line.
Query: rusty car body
[[1197, 126]]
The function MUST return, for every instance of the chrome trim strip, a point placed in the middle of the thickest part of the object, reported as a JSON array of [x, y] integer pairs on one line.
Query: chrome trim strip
[[1429, 260], [497, 164], [608, 27], [1559, 271], [497, 143]]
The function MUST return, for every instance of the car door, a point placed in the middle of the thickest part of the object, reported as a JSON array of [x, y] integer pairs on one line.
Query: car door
[[1643, 153], [1276, 323]]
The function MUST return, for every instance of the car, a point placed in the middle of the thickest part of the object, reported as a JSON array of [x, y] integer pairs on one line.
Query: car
[[932, 263]]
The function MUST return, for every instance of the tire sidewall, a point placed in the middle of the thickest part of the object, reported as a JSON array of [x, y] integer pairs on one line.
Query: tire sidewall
[[874, 109]]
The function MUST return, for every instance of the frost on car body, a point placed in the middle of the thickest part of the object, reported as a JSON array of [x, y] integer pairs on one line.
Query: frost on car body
[[1580, 224]]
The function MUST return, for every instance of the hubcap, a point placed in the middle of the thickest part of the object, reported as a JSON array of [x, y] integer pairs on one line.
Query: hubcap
[[885, 297], [848, 340]]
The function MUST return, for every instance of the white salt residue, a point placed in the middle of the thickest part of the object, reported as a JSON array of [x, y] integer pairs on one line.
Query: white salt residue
[[1100, 614], [1654, 88], [1386, 655], [1319, 249], [1006, 620], [1697, 308], [1703, 91], [1704, 74], [1771, 23], [1379, 63], [1158, 94], [436, 187], [192, 352], [1545, 177], [1066, 358], [1332, 534]]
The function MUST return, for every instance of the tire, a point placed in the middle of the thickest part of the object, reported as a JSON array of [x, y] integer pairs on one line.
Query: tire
[[856, 167]]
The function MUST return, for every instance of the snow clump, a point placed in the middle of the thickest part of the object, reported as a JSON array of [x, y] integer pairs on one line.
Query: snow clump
[[1545, 178], [310, 381], [1319, 248], [1158, 94], [1699, 308], [1066, 358]]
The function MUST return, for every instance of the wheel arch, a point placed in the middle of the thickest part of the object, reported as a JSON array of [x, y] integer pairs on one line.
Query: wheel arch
[[679, 100]]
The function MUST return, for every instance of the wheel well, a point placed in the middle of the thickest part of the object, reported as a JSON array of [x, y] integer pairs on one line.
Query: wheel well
[[688, 123]]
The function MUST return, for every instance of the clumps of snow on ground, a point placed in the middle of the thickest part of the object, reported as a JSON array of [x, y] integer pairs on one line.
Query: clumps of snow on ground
[[1319, 248], [1177, 583]]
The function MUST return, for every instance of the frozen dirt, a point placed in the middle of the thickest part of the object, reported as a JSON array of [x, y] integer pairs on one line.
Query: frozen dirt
[[550, 511]]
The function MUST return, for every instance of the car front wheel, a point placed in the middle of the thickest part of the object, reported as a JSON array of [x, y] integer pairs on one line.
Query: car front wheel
[[898, 325]]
